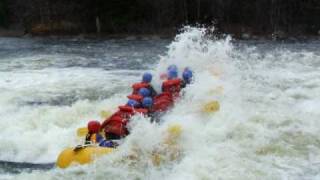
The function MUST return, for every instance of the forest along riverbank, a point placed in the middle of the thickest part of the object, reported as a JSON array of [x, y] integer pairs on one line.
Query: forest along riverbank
[[242, 19]]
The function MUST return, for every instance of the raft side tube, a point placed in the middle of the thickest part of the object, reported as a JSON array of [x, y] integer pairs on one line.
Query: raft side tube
[[83, 155]]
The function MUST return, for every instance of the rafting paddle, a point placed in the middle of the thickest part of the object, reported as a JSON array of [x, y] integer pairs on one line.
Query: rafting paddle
[[212, 106]]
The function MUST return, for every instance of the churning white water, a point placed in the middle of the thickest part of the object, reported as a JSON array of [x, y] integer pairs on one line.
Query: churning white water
[[267, 128]]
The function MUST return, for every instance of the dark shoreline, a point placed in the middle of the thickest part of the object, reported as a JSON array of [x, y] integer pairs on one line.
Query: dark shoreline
[[276, 20], [154, 36]]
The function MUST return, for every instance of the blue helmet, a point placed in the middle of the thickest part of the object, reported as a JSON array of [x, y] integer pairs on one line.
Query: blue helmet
[[132, 103], [187, 75], [146, 77], [172, 67], [172, 74], [147, 102], [144, 92]]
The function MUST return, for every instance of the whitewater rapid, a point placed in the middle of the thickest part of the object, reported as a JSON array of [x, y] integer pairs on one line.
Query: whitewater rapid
[[267, 127]]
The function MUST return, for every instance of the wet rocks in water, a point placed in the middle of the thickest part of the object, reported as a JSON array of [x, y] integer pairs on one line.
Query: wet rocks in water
[[245, 36], [279, 35]]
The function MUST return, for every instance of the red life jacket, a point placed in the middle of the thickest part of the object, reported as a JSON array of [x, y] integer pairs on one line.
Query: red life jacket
[[136, 97], [127, 111], [141, 110], [137, 86], [162, 102], [117, 123], [172, 86]]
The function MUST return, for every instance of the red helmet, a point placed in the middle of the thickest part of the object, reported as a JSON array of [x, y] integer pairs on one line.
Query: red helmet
[[94, 126]]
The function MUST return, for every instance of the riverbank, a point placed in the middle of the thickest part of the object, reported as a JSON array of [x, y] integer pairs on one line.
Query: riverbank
[[279, 35], [11, 33]]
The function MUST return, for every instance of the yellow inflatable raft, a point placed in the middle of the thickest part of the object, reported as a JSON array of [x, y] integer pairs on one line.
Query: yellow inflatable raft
[[85, 154], [81, 155]]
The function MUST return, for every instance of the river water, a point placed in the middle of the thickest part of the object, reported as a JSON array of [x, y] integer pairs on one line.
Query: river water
[[267, 128]]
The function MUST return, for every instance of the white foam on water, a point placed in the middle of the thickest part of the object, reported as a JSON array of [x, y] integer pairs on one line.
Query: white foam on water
[[36, 133], [267, 127]]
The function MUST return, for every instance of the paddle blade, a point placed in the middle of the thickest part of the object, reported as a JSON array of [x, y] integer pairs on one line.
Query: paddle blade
[[174, 131], [212, 106], [81, 132], [173, 134], [105, 114], [170, 150], [156, 159]]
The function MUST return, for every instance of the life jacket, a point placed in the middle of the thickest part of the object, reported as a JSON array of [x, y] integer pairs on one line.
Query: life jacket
[[137, 86], [162, 102], [117, 123], [127, 111], [143, 111], [136, 97], [172, 86]]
